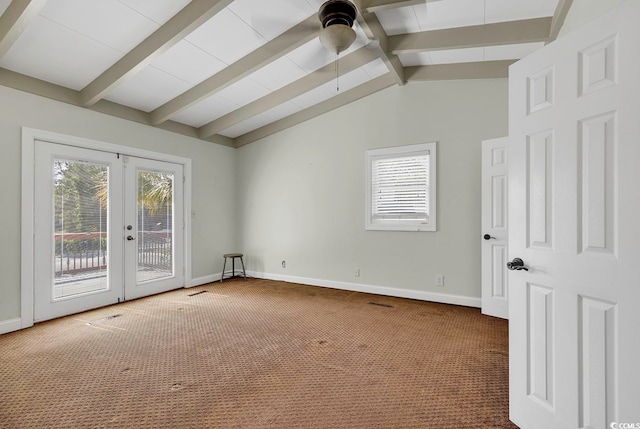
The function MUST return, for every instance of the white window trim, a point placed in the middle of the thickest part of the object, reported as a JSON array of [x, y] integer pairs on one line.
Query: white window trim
[[398, 225]]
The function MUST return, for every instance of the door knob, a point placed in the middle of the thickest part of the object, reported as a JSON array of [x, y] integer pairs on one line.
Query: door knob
[[517, 264], [488, 237], [130, 238]]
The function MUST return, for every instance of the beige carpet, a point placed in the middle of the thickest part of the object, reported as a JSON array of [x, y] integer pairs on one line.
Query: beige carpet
[[259, 354]]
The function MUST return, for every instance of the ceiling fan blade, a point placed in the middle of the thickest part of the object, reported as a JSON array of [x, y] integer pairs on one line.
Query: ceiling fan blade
[[264, 26], [312, 56]]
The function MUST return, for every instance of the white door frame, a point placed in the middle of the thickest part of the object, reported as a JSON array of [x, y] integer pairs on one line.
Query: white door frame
[[29, 136]]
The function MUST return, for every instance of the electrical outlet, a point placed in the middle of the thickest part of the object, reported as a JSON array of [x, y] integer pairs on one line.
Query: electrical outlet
[[284, 264], [357, 272], [439, 280]]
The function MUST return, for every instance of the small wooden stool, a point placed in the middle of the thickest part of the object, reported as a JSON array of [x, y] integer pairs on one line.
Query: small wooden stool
[[233, 257]]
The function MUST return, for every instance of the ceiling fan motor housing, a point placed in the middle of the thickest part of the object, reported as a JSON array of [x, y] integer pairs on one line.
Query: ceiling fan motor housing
[[337, 12]]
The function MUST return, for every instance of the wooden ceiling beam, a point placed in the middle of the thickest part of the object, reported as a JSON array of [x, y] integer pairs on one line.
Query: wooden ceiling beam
[[372, 28], [267, 53], [38, 87], [557, 21], [15, 20], [502, 33], [381, 5], [476, 70], [173, 31], [311, 81]]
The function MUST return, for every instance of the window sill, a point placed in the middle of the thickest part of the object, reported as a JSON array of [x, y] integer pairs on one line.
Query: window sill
[[406, 228]]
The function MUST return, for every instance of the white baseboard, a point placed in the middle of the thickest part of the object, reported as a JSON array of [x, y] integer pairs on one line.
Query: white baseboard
[[213, 278], [10, 325], [467, 301], [443, 298], [205, 279]]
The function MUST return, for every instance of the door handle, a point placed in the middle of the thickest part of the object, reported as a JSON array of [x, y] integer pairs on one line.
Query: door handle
[[517, 264], [488, 237], [130, 238]]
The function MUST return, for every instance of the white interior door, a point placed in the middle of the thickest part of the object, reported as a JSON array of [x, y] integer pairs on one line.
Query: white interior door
[[494, 249], [85, 256], [574, 205]]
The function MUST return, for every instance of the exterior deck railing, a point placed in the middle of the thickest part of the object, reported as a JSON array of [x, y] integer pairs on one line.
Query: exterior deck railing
[[85, 254]]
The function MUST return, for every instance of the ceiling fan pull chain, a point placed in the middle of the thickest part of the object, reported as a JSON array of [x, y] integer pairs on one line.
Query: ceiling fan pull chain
[[337, 74]]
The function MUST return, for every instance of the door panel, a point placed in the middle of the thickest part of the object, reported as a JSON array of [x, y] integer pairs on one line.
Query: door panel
[[596, 180], [597, 331], [540, 327], [494, 224], [573, 220], [153, 207], [539, 189], [77, 246]]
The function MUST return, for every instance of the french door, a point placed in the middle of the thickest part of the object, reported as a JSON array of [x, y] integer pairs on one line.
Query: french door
[[108, 228]]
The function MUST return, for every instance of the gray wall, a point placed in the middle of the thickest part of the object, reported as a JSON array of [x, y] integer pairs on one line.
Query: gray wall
[[299, 195], [213, 173], [301, 191]]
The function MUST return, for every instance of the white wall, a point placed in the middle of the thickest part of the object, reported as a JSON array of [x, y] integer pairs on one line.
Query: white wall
[[302, 190], [213, 173], [583, 11]]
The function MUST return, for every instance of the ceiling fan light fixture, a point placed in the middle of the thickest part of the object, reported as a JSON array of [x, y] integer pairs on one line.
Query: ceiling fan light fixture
[[337, 38], [337, 18]]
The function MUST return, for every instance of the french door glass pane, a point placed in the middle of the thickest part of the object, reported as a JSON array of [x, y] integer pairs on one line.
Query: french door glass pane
[[81, 196], [155, 225]]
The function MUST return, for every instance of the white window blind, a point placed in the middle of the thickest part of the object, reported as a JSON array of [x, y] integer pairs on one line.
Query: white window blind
[[400, 188]]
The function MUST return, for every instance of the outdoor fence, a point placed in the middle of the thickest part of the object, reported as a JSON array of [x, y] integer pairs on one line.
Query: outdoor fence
[[86, 254]]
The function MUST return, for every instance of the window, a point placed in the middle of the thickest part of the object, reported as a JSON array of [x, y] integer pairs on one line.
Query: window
[[401, 188]]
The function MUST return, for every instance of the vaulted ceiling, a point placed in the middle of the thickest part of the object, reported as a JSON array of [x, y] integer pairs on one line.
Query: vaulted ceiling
[[234, 71]]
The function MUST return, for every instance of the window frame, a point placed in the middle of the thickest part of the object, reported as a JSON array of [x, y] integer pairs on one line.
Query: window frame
[[429, 149]]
